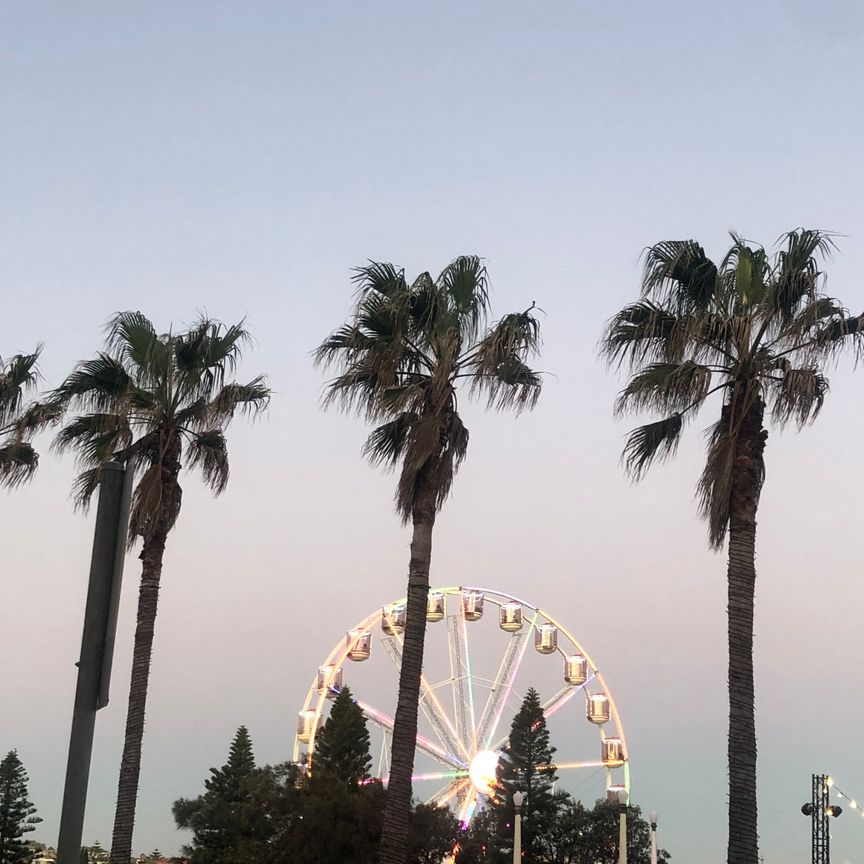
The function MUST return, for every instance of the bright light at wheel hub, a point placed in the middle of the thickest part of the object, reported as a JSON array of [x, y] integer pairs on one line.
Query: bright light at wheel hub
[[483, 771]]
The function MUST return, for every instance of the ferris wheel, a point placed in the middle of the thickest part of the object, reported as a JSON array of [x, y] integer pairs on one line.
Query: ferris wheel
[[477, 669]]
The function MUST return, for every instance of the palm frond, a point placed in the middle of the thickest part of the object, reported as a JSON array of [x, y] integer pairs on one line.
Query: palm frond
[[249, 399], [499, 369], [95, 437], [640, 331], [714, 490], [797, 270], [432, 452], [379, 277], [133, 340], [83, 487], [456, 438], [645, 444], [208, 450], [746, 270], [679, 275], [799, 395], [18, 375], [467, 283], [207, 353], [667, 387], [101, 384], [18, 462], [359, 388], [344, 344], [36, 417], [386, 444]]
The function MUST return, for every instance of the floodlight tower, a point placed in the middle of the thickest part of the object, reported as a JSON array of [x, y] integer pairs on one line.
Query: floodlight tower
[[820, 810]]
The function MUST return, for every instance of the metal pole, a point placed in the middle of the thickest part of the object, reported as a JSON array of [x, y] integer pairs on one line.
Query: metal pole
[[517, 837], [103, 575]]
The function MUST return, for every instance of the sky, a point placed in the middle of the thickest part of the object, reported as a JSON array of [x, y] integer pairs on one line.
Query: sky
[[240, 159]]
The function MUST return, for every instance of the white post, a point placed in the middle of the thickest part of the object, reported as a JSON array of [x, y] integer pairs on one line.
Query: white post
[[653, 818], [622, 827], [518, 798]]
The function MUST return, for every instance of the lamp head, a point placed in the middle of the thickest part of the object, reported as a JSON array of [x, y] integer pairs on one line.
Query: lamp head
[[622, 797], [652, 818], [518, 798]]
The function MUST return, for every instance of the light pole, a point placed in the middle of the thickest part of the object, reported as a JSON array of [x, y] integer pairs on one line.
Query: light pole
[[622, 827], [652, 818], [819, 809], [518, 798]]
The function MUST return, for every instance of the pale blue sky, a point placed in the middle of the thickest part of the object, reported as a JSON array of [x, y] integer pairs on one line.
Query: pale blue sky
[[241, 158]]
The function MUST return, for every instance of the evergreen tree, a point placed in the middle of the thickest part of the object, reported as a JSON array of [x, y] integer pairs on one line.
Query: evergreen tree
[[229, 779], [527, 765], [17, 814], [342, 745], [227, 817], [338, 823]]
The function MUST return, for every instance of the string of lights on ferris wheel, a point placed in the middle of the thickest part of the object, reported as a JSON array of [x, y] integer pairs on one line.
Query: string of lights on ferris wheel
[[853, 803]]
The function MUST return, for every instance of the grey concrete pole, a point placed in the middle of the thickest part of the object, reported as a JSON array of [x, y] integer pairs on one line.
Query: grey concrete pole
[[622, 828], [96, 613], [517, 837], [653, 818]]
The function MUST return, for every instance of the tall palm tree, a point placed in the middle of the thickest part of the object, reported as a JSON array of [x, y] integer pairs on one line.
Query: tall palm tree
[[155, 397], [18, 422], [401, 359], [756, 331]]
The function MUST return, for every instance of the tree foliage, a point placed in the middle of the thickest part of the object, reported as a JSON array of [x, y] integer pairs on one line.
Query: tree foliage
[[403, 354], [755, 329], [527, 765], [157, 397], [226, 820], [17, 815], [19, 421], [342, 744]]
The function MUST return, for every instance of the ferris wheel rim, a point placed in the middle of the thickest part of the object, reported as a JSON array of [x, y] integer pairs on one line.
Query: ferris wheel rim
[[339, 654]]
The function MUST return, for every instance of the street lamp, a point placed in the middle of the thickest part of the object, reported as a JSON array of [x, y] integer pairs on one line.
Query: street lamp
[[622, 827], [518, 799], [652, 818]]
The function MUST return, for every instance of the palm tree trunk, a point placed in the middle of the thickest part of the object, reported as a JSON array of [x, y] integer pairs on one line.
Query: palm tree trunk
[[747, 474], [148, 599], [397, 809], [130, 764]]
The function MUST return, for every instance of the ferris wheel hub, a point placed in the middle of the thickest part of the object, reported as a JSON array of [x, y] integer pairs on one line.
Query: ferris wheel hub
[[483, 771]]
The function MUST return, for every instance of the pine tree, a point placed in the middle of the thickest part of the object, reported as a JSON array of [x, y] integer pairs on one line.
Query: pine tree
[[229, 779], [527, 766], [17, 814], [225, 817], [342, 745]]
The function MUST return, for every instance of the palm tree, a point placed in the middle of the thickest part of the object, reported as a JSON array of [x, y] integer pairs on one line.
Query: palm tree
[[152, 397], [401, 358], [756, 330], [18, 459]]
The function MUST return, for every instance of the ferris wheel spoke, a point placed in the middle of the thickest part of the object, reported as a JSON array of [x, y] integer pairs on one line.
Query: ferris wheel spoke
[[461, 683], [550, 706], [502, 694], [438, 722], [466, 811], [501, 687], [385, 722], [448, 793]]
